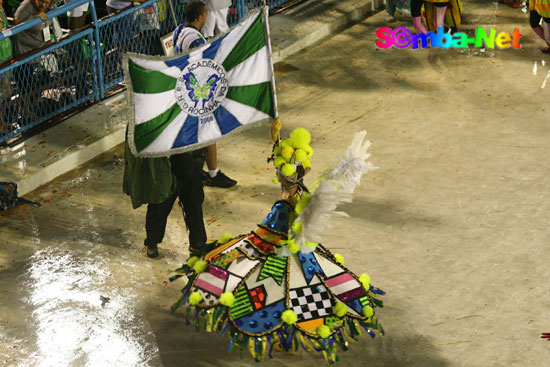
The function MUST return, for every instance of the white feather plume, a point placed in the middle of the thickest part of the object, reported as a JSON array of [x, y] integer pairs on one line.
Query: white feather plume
[[334, 187]]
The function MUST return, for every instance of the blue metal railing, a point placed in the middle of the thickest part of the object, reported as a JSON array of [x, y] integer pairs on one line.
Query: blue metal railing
[[81, 68]]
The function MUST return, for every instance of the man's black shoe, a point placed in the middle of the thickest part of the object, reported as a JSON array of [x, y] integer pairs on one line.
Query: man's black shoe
[[220, 180], [152, 250]]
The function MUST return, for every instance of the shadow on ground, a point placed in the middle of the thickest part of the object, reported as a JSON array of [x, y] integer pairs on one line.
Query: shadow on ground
[[181, 345]]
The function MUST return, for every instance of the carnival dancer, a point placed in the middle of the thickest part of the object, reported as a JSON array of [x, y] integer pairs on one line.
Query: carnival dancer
[[436, 14], [539, 18], [393, 6], [277, 287]]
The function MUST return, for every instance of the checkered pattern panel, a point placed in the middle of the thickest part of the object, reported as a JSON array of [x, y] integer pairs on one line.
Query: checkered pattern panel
[[310, 302]]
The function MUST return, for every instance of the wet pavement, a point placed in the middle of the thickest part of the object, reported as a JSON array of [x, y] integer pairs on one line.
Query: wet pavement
[[453, 225]]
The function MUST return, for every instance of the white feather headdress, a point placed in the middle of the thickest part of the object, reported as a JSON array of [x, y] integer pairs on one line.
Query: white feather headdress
[[334, 187]]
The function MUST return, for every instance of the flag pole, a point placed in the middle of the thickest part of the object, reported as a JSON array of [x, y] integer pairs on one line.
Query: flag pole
[[268, 42], [173, 13]]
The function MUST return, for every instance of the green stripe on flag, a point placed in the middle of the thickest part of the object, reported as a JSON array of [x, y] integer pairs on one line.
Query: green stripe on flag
[[149, 81], [147, 132], [250, 42], [258, 96]]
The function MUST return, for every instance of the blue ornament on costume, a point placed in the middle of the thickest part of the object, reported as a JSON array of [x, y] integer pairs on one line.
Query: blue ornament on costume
[[278, 218], [310, 266], [262, 320]]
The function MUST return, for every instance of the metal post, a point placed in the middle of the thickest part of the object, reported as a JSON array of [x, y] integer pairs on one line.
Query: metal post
[[173, 14], [98, 50]]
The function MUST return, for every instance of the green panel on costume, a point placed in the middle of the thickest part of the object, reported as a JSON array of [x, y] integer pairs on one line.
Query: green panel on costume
[[275, 267], [242, 305]]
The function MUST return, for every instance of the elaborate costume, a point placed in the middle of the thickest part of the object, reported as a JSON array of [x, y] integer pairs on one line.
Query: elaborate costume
[[277, 288], [540, 10], [435, 14]]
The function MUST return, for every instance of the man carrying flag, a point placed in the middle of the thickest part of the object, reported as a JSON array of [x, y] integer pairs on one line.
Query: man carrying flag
[[184, 103], [186, 38]]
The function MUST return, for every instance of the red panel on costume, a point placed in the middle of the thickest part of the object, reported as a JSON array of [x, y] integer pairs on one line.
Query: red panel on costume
[[261, 244], [257, 295]]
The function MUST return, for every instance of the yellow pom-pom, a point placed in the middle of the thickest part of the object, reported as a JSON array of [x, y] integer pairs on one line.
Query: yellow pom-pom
[[300, 137], [368, 311], [309, 151], [275, 181], [301, 155], [339, 258], [289, 317], [200, 266], [311, 244], [287, 152], [192, 260], [277, 150], [297, 227], [340, 309], [225, 238], [323, 331], [195, 298], [279, 161], [227, 299], [365, 281], [285, 143], [306, 164], [293, 247], [288, 170]]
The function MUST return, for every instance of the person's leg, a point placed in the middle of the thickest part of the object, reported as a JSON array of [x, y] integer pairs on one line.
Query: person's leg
[[207, 29], [187, 168], [221, 21], [211, 156], [191, 199], [215, 177], [391, 5], [439, 15], [403, 7], [546, 32], [546, 29], [155, 224], [390, 10], [416, 7], [543, 31]]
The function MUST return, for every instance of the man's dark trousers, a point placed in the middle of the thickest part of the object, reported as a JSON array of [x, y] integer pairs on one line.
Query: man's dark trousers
[[186, 168]]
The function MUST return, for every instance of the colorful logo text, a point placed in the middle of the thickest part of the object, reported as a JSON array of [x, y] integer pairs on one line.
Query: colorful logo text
[[402, 38]]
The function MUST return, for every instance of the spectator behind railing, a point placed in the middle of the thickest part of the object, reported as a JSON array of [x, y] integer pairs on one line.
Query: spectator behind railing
[[35, 37], [29, 85], [76, 18], [5, 85], [114, 5]]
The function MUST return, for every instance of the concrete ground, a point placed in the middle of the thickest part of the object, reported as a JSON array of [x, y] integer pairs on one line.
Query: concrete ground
[[453, 225]]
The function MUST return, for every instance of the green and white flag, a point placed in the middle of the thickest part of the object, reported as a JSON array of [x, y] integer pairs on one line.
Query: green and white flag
[[186, 102]]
